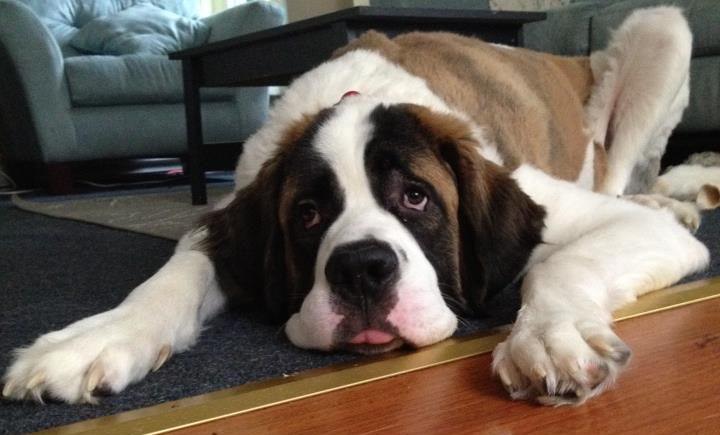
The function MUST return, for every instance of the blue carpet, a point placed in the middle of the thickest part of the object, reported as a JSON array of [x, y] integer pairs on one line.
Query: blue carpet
[[55, 271]]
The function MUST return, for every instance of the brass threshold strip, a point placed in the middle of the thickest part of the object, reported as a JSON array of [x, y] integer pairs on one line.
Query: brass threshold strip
[[204, 408]]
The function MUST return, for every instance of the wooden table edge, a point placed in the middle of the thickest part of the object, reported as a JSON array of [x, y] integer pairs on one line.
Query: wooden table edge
[[362, 13]]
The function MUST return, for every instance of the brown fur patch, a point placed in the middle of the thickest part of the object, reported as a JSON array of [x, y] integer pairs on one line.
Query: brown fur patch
[[439, 176], [600, 166], [295, 131], [445, 128], [242, 240], [247, 239], [530, 104], [498, 224], [290, 138], [578, 73], [433, 168], [709, 197]]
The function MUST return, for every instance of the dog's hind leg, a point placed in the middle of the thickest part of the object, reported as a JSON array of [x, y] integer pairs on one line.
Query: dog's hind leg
[[641, 90], [106, 352]]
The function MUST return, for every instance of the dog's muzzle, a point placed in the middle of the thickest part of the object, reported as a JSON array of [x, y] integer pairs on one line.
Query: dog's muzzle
[[362, 274]]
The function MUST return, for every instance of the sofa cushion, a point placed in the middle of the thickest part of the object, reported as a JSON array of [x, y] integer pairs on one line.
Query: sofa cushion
[[703, 16], [65, 17], [142, 28], [159, 129], [565, 31], [703, 112], [133, 79]]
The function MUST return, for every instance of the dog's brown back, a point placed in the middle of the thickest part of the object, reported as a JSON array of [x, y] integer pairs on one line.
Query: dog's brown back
[[529, 104]]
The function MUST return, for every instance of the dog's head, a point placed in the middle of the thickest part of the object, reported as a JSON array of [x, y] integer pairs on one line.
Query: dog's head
[[371, 225]]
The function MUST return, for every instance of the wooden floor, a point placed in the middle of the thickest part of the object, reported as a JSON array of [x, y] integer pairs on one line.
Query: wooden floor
[[671, 386]]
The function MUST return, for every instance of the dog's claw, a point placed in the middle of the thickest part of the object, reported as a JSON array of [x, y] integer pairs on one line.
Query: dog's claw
[[37, 379], [600, 345], [539, 372], [597, 374], [93, 377], [163, 356], [9, 388], [36, 394], [616, 351]]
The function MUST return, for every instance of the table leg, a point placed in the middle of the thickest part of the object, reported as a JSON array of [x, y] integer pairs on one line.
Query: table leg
[[193, 121]]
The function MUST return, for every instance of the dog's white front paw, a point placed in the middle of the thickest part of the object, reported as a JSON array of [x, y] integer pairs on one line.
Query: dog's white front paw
[[98, 355], [560, 361]]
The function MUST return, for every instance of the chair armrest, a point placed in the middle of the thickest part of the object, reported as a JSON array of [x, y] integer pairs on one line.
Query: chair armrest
[[29, 53], [242, 19]]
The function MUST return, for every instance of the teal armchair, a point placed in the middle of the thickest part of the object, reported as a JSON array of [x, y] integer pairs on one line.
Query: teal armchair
[[60, 106]]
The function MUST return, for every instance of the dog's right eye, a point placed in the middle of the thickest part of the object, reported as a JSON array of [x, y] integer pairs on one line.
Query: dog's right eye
[[415, 199], [309, 214]]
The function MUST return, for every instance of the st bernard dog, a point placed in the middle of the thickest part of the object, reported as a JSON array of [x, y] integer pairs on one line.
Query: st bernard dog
[[450, 169]]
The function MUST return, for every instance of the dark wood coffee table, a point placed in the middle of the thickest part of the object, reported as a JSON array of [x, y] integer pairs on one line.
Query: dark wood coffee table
[[275, 56]]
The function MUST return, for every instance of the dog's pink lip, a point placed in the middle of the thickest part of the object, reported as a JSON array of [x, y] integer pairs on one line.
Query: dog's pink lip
[[372, 336]]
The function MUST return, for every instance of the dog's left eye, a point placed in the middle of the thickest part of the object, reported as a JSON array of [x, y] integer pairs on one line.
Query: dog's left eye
[[309, 213], [415, 199]]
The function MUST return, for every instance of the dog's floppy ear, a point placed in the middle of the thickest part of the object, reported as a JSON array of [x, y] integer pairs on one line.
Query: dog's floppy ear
[[245, 242], [499, 224]]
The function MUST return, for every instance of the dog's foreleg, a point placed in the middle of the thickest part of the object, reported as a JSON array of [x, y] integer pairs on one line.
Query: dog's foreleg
[[108, 351], [598, 253]]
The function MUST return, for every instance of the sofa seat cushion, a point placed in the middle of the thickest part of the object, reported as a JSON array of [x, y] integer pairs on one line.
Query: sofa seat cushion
[[703, 16], [133, 79], [703, 112], [142, 28]]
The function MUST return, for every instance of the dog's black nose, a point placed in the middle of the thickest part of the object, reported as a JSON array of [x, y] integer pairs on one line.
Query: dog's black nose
[[361, 269]]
